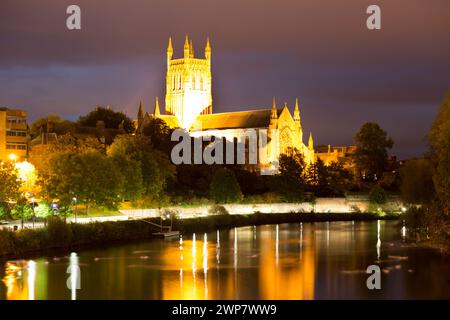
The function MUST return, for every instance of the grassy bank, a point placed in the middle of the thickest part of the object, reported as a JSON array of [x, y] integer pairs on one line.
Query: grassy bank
[[59, 235]]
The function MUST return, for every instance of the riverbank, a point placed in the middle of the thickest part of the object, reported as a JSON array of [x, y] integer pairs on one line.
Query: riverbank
[[59, 235]]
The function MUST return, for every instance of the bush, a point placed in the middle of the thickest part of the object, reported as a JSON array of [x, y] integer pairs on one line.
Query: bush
[[218, 210], [377, 195], [59, 232], [7, 243], [224, 187], [30, 240]]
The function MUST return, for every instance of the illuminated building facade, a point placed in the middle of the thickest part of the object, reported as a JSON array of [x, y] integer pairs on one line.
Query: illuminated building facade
[[13, 134], [188, 105], [338, 154]]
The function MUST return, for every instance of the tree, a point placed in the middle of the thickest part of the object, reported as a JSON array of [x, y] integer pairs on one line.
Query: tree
[[91, 177], [71, 143], [22, 210], [111, 118], [42, 210], [160, 135], [130, 169], [5, 210], [9, 182], [292, 166], [331, 180], [372, 145], [290, 180], [224, 187], [439, 138], [417, 181], [155, 167], [53, 124]]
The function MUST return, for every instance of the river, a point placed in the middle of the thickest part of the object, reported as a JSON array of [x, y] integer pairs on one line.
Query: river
[[288, 261]]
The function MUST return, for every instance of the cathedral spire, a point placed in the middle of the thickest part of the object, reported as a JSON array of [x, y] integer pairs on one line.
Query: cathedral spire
[[169, 47], [157, 113], [296, 111], [208, 49], [273, 114], [187, 47], [310, 142], [140, 115]]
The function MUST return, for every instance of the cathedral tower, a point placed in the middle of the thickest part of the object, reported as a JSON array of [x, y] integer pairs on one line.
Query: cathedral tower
[[188, 84]]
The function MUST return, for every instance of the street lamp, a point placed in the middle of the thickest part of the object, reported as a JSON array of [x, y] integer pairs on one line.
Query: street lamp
[[33, 203], [75, 207], [12, 157], [54, 208]]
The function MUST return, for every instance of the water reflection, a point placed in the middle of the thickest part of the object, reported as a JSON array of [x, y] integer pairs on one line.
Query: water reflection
[[74, 281], [16, 282], [378, 241], [31, 279], [296, 261]]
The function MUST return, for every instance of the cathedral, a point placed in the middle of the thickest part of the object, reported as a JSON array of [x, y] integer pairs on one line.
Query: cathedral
[[188, 105]]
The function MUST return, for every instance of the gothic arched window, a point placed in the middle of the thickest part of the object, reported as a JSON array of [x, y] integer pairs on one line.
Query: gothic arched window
[[285, 141]]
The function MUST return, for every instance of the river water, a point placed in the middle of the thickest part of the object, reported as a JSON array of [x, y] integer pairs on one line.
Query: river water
[[288, 261]]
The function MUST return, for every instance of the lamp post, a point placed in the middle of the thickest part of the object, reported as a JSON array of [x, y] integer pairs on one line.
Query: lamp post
[[75, 207], [54, 208], [33, 203]]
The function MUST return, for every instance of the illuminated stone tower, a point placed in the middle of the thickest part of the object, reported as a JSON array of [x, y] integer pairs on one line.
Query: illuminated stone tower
[[188, 84]]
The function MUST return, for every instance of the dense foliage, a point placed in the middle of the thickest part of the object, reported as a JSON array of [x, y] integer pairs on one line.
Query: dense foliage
[[426, 183], [224, 187], [111, 119], [372, 145]]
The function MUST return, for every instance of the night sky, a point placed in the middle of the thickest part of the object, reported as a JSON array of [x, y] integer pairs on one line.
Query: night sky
[[320, 51]]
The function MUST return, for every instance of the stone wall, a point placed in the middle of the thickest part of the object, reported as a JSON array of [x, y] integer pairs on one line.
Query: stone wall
[[332, 205]]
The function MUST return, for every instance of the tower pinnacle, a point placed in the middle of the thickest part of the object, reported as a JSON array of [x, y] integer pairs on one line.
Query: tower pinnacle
[[169, 47], [296, 111], [140, 114], [157, 113], [310, 142], [208, 49], [273, 114], [169, 51], [187, 48]]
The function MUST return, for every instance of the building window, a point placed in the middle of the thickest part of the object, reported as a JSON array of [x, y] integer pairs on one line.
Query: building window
[[16, 133], [15, 146], [15, 120]]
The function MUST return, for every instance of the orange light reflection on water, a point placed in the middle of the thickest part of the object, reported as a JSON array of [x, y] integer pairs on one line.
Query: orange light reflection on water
[[278, 275]]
